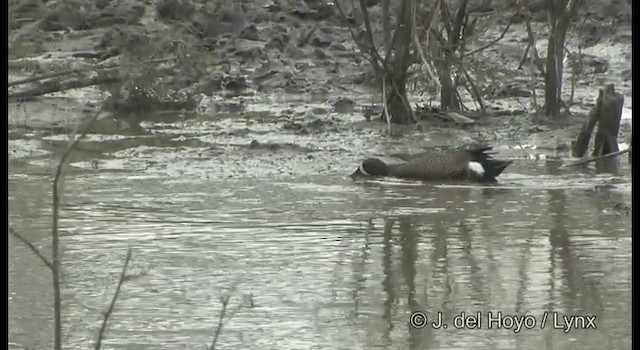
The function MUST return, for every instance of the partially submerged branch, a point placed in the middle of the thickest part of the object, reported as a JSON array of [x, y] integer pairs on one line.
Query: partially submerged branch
[[55, 237], [224, 299], [593, 159], [109, 311]]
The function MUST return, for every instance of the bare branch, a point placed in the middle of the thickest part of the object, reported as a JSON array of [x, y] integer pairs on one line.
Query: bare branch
[[593, 159], [473, 87], [493, 42], [113, 301], [367, 25], [224, 299], [385, 109], [55, 238], [33, 248], [374, 58]]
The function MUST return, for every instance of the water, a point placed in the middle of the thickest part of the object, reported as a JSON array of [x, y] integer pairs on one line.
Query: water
[[323, 262]]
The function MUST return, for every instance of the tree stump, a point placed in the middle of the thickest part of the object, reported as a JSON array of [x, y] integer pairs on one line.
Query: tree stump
[[606, 114]]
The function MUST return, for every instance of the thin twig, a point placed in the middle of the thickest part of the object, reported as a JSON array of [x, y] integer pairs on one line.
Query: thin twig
[[33, 248], [384, 106], [493, 42], [593, 159], [373, 57], [113, 301], [55, 238], [473, 87], [225, 302]]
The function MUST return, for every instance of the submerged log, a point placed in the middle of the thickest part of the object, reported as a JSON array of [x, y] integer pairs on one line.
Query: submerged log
[[606, 114], [64, 84]]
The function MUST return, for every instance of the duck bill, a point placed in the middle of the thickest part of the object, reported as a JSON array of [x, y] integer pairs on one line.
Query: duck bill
[[356, 174]]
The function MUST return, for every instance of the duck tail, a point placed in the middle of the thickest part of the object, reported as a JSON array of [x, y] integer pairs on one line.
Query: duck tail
[[494, 167], [491, 168]]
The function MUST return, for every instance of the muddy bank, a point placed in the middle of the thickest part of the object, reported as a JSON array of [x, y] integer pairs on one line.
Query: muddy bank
[[284, 76]]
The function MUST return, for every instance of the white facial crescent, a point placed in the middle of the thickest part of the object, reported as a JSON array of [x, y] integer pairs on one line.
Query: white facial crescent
[[361, 168]]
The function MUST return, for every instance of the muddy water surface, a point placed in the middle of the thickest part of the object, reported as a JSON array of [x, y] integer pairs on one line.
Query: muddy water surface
[[310, 258]]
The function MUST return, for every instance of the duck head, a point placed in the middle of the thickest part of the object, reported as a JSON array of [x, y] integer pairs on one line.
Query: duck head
[[371, 167]]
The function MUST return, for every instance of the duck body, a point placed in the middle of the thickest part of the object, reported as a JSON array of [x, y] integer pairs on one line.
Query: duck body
[[474, 164]]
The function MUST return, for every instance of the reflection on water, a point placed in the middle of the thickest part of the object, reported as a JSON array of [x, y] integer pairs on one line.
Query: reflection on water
[[326, 263]]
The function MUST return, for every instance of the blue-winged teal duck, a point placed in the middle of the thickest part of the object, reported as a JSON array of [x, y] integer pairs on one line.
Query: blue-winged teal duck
[[472, 163]]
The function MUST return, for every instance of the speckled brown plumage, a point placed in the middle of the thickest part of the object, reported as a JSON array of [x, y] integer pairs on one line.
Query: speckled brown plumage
[[470, 163]]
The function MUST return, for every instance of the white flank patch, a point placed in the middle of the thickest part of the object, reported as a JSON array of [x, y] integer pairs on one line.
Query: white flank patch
[[476, 168], [361, 168]]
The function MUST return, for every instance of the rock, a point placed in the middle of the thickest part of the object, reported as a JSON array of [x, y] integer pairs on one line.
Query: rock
[[211, 24], [294, 86], [318, 111], [254, 144], [278, 41], [124, 13], [597, 64], [301, 65], [344, 105], [295, 53], [274, 7], [235, 83], [175, 10], [622, 208], [322, 39], [250, 33], [319, 53], [322, 11], [24, 12], [275, 78], [248, 49], [64, 15], [460, 119], [132, 39], [338, 47], [358, 78], [507, 89], [623, 36], [265, 71], [317, 38]]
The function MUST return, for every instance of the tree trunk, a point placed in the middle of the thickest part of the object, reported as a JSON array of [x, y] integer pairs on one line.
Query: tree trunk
[[386, 24], [448, 98], [606, 114], [397, 63], [579, 147], [397, 103], [559, 21], [606, 140]]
